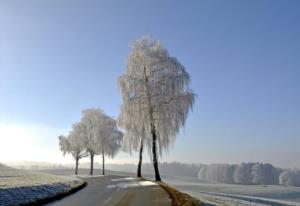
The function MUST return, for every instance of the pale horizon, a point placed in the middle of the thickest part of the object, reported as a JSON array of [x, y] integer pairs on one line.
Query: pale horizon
[[57, 60], [38, 151]]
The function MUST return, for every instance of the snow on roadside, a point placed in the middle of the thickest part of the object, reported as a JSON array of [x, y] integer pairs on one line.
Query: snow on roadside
[[123, 179], [21, 186], [129, 182]]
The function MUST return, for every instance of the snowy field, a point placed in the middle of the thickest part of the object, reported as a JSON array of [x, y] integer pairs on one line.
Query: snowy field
[[22, 186], [217, 194], [236, 195]]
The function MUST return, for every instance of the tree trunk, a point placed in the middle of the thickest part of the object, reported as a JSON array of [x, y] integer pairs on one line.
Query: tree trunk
[[92, 164], [154, 150], [154, 153], [139, 170], [76, 166], [103, 169]]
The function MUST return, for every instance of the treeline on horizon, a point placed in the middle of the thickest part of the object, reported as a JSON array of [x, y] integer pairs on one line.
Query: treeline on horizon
[[244, 173], [249, 173]]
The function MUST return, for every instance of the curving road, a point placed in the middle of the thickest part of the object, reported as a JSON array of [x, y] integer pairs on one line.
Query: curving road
[[116, 190]]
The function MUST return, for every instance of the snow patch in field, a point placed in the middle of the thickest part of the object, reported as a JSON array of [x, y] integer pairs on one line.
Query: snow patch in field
[[125, 185]]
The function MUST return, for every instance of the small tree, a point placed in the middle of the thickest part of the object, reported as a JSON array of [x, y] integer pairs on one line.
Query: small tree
[[74, 144], [102, 135], [92, 120], [155, 95], [264, 173], [110, 139], [243, 173], [290, 177]]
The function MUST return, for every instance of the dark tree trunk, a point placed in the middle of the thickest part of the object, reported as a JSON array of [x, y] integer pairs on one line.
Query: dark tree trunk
[[139, 170], [92, 164], [76, 166], [154, 153], [153, 133], [103, 169]]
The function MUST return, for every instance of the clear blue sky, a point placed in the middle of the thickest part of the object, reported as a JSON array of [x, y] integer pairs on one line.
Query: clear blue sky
[[59, 57]]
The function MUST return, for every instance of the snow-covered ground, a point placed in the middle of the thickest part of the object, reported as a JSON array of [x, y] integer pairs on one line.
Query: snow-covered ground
[[237, 195], [237, 200], [127, 182], [22, 186], [213, 193]]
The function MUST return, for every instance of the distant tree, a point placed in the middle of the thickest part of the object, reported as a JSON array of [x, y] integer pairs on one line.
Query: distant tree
[[271, 174], [258, 174], [290, 178], [286, 178], [264, 174], [74, 144], [155, 95], [217, 173], [102, 135], [213, 173], [228, 171], [92, 119], [202, 175], [110, 139], [242, 173]]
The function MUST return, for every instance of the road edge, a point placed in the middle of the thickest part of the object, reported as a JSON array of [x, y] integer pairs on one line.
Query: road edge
[[179, 198], [56, 197]]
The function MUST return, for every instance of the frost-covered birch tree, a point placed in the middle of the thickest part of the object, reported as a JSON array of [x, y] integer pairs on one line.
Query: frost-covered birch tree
[[156, 97], [92, 120], [74, 144], [110, 139], [290, 177], [102, 136]]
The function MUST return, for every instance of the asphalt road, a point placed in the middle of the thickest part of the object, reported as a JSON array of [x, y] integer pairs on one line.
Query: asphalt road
[[116, 190]]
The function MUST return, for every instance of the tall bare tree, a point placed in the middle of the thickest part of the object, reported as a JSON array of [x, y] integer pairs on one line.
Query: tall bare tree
[[156, 96]]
